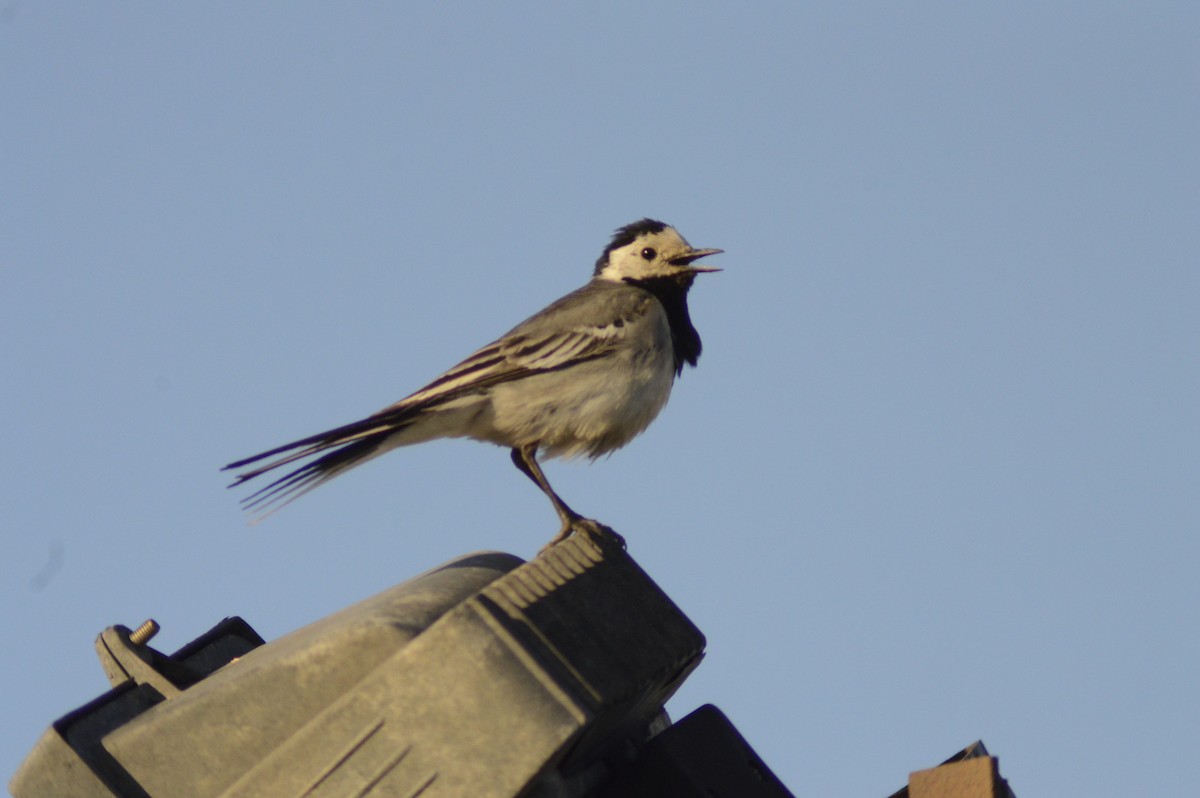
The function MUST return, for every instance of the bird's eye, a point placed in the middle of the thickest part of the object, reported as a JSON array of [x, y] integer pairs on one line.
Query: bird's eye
[[648, 253]]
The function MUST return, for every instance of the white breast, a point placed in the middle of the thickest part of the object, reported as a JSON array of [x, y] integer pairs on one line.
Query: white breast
[[594, 407]]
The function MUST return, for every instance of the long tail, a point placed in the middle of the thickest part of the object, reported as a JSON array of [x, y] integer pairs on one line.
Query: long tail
[[352, 444]]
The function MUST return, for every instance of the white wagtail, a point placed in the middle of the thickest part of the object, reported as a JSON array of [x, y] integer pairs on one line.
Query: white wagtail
[[584, 376]]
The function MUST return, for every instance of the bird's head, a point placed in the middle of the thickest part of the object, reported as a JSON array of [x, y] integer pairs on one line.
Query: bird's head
[[650, 250]]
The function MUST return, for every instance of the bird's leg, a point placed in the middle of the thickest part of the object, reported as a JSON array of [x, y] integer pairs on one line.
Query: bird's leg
[[525, 458]]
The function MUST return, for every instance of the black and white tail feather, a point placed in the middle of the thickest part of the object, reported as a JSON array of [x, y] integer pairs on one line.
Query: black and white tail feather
[[358, 443]]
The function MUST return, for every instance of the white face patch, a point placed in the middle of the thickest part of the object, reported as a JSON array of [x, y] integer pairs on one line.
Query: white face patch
[[648, 256]]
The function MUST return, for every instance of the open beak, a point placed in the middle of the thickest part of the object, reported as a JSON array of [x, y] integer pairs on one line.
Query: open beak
[[687, 258]]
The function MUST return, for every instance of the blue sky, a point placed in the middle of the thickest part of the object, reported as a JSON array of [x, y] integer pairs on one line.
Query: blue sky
[[934, 480]]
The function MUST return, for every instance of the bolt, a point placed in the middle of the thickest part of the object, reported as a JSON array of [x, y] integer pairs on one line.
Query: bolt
[[141, 635]]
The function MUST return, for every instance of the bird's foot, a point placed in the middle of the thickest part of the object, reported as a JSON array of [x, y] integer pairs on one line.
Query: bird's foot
[[590, 526], [586, 526]]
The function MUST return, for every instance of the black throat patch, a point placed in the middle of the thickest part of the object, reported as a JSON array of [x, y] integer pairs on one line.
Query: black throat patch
[[672, 293]]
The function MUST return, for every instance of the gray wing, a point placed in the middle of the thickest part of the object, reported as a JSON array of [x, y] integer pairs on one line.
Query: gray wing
[[584, 325]]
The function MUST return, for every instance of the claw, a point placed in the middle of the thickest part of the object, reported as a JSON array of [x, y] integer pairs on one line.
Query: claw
[[586, 526]]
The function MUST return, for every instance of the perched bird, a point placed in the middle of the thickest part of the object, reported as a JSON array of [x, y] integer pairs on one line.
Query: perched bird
[[582, 377]]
